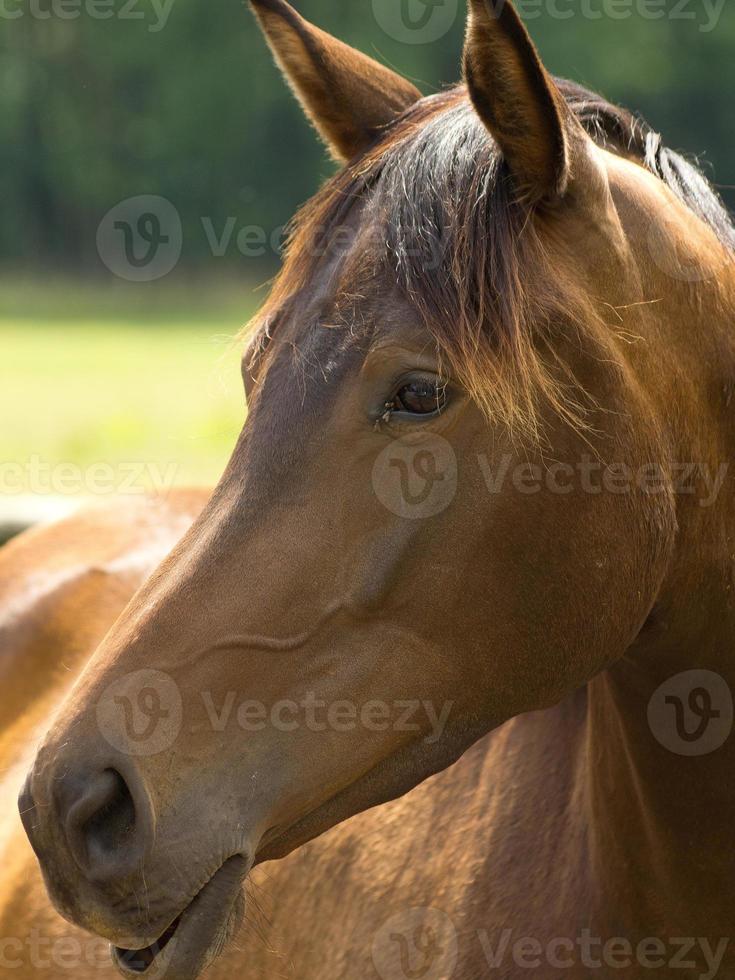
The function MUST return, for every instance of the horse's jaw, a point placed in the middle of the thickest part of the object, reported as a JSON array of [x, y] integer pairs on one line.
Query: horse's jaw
[[197, 936]]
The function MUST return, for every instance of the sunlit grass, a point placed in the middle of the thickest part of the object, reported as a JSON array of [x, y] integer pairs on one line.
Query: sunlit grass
[[120, 384]]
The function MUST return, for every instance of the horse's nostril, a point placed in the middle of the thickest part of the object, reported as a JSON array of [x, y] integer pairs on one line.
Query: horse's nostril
[[101, 825], [113, 825]]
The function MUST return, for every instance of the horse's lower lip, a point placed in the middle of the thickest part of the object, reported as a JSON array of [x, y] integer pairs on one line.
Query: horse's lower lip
[[196, 936], [140, 960]]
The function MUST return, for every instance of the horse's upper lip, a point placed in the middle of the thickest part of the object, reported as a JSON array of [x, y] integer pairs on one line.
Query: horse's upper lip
[[196, 935]]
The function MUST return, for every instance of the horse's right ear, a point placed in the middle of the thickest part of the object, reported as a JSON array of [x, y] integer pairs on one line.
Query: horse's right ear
[[348, 96], [518, 100]]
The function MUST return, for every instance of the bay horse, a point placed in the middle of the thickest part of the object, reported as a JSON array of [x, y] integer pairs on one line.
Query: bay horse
[[436, 684]]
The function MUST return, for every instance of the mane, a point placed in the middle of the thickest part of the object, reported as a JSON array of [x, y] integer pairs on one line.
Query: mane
[[462, 250], [624, 133]]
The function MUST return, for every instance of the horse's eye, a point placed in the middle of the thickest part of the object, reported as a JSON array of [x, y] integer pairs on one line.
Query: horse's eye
[[423, 396]]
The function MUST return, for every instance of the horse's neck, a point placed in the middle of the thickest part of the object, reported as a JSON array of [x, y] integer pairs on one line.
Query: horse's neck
[[658, 769], [660, 751]]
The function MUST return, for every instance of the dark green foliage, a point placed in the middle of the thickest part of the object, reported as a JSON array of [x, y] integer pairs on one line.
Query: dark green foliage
[[96, 110]]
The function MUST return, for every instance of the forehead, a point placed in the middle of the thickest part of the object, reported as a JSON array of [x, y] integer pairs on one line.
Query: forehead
[[369, 248], [347, 305]]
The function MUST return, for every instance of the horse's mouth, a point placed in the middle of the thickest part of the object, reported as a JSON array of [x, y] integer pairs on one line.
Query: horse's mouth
[[196, 936]]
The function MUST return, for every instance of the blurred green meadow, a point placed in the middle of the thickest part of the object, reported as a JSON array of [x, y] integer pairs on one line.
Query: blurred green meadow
[[118, 387]]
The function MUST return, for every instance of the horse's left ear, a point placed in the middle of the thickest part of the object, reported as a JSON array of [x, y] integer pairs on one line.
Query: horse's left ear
[[348, 96], [518, 100]]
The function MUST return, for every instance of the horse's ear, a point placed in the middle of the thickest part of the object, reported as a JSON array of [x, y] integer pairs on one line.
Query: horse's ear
[[348, 96], [518, 100]]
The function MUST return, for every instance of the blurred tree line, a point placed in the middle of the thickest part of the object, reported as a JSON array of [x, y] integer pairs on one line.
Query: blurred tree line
[[101, 100]]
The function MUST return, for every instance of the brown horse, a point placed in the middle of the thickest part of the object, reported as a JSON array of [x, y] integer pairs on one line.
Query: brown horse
[[478, 527]]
